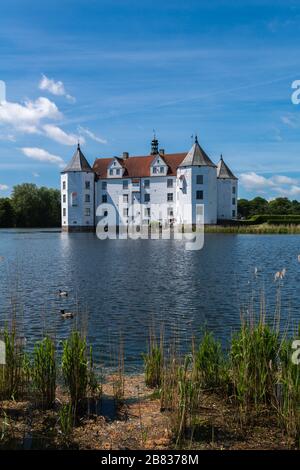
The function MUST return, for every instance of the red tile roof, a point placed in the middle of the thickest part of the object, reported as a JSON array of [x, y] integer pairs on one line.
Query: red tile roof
[[139, 167]]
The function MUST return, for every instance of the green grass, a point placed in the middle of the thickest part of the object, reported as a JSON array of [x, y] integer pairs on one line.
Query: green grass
[[264, 228], [153, 362], [66, 422], [75, 367], [209, 363], [44, 371], [254, 364], [15, 375]]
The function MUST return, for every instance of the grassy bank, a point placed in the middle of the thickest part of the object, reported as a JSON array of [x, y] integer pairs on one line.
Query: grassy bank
[[245, 397], [264, 228]]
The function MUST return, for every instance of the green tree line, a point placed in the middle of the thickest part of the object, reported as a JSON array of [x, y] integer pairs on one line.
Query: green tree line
[[260, 206], [30, 206]]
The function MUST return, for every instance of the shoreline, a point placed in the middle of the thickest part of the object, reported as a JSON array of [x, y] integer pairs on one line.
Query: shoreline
[[260, 229], [139, 423]]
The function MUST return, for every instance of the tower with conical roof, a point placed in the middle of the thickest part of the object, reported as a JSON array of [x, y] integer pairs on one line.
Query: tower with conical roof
[[197, 176], [227, 187], [78, 194]]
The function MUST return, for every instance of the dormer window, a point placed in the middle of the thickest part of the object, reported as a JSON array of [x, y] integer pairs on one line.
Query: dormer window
[[115, 169], [158, 166]]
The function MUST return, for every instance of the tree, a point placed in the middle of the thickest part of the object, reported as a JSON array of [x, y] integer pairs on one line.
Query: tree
[[244, 208], [25, 202], [36, 207], [258, 205], [7, 216], [280, 206]]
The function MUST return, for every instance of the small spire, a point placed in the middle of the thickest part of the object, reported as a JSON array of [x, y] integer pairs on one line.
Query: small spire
[[78, 145], [221, 157], [154, 144], [196, 139]]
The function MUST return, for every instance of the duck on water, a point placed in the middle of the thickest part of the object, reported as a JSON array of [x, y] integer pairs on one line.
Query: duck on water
[[65, 314]]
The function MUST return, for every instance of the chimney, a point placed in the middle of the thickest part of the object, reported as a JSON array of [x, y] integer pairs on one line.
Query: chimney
[[162, 151], [125, 155]]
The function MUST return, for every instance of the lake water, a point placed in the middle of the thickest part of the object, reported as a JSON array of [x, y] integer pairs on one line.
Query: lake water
[[120, 288]]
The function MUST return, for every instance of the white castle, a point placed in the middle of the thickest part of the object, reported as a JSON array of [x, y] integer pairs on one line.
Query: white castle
[[163, 185]]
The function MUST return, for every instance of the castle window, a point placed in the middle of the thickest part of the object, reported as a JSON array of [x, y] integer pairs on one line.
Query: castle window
[[170, 183], [125, 212], [64, 212], [104, 185], [87, 198], [170, 211], [199, 179], [64, 185], [162, 170], [74, 199], [147, 198], [111, 172], [87, 185], [233, 201], [233, 189], [64, 198], [125, 184], [118, 171], [147, 184], [104, 198], [233, 213], [125, 198], [87, 211], [199, 195], [155, 169], [147, 212], [170, 197]]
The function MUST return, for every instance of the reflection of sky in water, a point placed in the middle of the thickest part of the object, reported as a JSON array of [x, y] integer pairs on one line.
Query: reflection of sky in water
[[120, 288]]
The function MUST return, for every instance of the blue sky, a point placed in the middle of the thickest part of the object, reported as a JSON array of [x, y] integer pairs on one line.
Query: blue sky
[[109, 72]]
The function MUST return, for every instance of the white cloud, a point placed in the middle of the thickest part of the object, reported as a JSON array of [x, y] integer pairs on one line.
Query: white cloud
[[252, 181], [42, 155], [36, 175], [278, 184], [27, 117], [56, 88], [280, 179], [91, 135], [57, 134], [3, 187]]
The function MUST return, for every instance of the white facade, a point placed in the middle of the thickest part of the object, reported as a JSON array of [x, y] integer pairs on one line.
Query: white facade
[[227, 199], [165, 188]]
